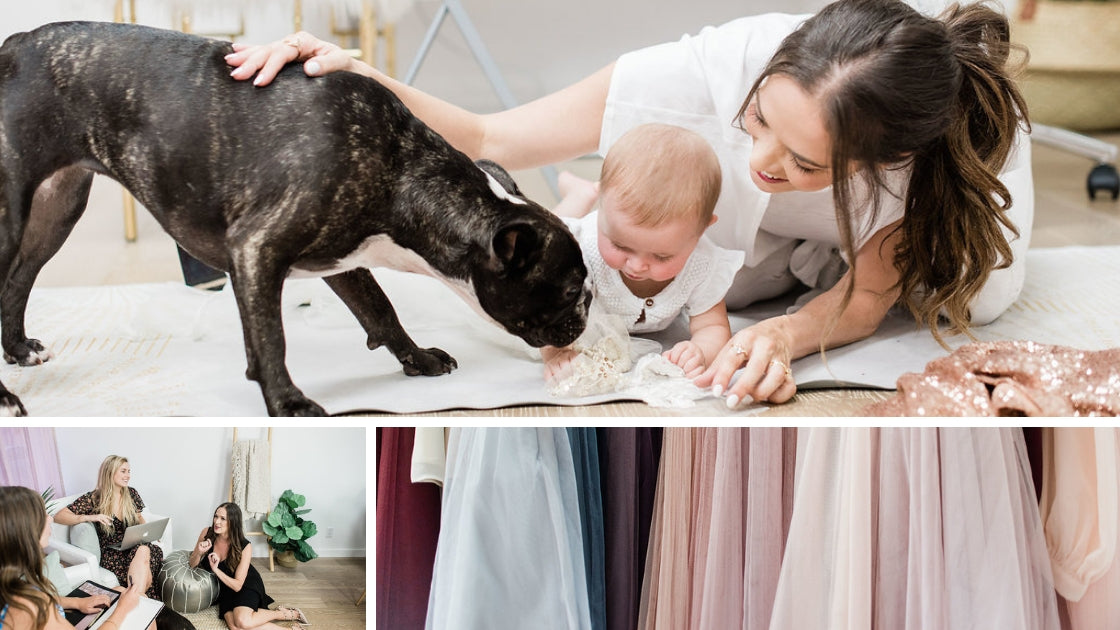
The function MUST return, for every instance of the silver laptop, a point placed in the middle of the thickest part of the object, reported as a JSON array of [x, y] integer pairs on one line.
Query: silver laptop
[[142, 533]]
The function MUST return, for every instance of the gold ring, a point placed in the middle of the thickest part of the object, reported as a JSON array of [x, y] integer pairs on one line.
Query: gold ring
[[785, 367], [293, 42], [737, 349]]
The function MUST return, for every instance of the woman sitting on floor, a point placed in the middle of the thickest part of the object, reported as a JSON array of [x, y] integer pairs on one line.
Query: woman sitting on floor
[[242, 602]]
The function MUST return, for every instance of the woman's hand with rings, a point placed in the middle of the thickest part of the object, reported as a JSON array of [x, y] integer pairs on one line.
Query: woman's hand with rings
[[266, 60], [765, 376], [203, 546]]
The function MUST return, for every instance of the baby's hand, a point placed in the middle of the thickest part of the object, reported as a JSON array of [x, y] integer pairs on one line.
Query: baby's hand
[[557, 361], [688, 356]]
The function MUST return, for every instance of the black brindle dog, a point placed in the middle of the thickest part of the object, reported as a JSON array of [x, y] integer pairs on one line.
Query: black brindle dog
[[320, 176]]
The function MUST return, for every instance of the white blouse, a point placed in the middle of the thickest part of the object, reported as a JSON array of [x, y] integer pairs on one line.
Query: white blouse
[[701, 284], [700, 82]]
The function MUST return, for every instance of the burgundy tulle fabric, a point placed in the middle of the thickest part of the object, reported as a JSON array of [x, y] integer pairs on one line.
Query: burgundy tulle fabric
[[1010, 378], [407, 532]]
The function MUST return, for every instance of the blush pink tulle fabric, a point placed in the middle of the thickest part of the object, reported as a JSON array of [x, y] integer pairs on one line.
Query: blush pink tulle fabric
[[906, 529], [1010, 378], [723, 505]]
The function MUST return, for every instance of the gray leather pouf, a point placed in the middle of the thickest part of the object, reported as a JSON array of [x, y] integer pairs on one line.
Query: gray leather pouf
[[184, 589]]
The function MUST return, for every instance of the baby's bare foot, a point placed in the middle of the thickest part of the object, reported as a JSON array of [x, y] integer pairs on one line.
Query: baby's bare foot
[[578, 195]]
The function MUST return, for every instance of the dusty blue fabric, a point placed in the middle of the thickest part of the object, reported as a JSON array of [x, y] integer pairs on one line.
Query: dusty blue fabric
[[585, 456]]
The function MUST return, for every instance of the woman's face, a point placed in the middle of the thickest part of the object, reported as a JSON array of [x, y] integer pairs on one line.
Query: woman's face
[[791, 146], [122, 476], [221, 524]]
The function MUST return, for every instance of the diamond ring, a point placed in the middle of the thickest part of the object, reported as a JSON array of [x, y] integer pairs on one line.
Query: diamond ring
[[293, 42], [737, 349], [783, 366]]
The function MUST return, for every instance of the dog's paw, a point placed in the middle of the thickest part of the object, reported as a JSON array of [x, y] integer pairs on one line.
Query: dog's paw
[[296, 406], [29, 352], [10, 406], [427, 362]]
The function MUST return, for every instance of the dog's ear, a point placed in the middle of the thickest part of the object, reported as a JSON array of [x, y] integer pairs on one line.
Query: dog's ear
[[500, 174], [515, 247]]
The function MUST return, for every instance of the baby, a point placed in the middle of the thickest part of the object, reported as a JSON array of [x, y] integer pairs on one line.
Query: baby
[[645, 248]]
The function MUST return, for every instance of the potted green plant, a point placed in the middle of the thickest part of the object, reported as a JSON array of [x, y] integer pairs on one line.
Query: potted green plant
[[288, 531], [49, 500]]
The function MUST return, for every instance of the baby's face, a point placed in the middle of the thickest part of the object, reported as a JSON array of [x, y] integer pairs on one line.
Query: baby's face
[[641, 252]]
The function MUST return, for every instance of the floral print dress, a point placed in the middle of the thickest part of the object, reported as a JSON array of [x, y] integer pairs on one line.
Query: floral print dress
[[112, 559]]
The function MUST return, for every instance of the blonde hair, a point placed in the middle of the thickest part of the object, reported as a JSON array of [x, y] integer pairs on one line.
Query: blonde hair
[[22, 583], [662, 172], [103, 494]]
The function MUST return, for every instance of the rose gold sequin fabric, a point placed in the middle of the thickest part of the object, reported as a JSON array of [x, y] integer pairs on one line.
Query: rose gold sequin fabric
[[1010, 378]]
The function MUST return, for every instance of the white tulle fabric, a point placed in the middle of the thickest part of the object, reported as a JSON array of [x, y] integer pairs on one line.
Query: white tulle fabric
[[510, 552], [1079, 509], [921, 529]]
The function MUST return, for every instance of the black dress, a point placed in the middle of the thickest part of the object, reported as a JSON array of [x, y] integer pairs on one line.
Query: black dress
[[113, 559], [251, 594]]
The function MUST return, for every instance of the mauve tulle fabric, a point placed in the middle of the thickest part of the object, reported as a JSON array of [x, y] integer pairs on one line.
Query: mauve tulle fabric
[[628, 463]]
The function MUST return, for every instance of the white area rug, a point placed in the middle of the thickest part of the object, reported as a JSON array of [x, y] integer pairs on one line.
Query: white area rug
[[166, 349]]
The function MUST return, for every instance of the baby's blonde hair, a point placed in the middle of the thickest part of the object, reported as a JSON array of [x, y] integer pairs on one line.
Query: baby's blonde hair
[[660, 172]]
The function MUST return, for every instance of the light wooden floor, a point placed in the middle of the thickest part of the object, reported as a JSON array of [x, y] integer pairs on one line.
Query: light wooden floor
[[97, 254], [325, 589]]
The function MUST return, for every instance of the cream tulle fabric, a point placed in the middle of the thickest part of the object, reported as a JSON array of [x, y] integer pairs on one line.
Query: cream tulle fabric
[[723, 504], [914, 529], [510, 552], [1079, 507]]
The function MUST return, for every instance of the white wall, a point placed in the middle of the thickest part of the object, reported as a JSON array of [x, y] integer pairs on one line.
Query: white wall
[[538, 45], [185, 473]]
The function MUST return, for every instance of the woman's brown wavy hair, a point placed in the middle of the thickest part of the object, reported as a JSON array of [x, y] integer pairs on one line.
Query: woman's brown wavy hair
[[22, 583], [898, 88]]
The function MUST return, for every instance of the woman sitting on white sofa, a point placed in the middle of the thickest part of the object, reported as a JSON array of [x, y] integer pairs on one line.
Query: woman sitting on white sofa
[[114, 507]]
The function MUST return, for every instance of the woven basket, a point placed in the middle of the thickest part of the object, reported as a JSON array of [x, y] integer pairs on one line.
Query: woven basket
[[1073, 77]]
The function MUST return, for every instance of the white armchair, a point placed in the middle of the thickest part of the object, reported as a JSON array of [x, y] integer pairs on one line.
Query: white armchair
[[81, 565]]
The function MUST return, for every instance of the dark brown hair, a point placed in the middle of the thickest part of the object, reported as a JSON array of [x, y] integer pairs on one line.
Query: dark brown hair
[[898, 88], [237, 539], [22, 583]]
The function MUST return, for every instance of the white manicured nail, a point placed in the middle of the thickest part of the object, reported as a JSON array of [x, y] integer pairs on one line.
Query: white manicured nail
[[313, 68], [732, 401], [717, 390]]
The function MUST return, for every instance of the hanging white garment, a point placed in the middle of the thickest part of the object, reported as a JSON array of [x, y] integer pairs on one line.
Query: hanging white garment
[[1080, 509], [429, 455], [510, 553]]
